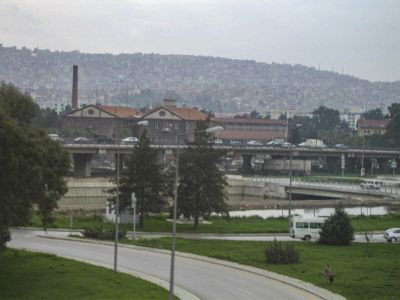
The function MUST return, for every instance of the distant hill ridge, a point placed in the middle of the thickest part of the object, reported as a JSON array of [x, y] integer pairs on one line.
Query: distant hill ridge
[[208, 82]]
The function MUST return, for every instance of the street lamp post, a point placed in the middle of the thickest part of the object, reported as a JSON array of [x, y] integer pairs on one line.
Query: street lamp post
[[133, 205], [117, 200], [290, 184], [290, 174], [172, 270]]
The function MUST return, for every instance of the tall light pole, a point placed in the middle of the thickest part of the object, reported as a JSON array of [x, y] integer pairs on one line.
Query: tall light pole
[[290, 184], [290, 173], [117, 200], [117, 125], [133, 205], [172, 270]]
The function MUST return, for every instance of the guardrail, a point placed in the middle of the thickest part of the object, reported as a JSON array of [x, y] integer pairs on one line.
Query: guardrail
[[388, 189]]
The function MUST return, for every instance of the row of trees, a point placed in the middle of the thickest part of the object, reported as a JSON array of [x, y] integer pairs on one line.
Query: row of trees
[[201, 188], [32, 166], [325, 124]]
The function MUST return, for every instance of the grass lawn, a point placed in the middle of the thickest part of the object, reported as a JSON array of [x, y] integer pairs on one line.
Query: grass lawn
[[221, 225], [28, 275], [357, 276]]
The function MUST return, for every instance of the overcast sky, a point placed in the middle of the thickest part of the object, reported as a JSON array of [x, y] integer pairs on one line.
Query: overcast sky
[[359, 37]]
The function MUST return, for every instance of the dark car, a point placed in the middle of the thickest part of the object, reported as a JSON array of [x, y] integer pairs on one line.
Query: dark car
[[103, 139]]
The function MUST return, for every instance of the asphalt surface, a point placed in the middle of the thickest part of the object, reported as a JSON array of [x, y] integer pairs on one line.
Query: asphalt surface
[[195, 277], [358, 238]]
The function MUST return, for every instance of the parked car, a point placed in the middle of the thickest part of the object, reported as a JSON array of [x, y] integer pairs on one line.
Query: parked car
[[341, 146], [218, 141], [254, 143], [371, 185], [392, 234], [81, 139], [130, 140]]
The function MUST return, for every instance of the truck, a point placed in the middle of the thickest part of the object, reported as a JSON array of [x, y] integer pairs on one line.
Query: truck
[[299, 166], [313, 143]]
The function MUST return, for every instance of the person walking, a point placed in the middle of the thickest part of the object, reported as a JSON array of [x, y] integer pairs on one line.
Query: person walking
[[328, 275]]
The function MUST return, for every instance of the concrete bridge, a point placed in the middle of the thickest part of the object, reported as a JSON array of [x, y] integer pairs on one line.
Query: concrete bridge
[[280, 188], [82, 154]]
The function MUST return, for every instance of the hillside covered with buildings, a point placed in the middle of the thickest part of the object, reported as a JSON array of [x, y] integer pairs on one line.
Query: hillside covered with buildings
[[217, 84]]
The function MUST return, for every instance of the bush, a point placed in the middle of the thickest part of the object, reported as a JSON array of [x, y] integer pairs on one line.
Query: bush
[[277, 254], [4, 238], [102, 233], [337, 229]]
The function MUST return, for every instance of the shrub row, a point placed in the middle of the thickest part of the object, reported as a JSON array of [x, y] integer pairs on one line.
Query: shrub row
[[277, 254], [102, 233]]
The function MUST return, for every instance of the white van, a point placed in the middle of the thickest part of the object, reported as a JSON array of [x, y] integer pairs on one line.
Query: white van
[[305, 228], [54, 137], [372, 185]]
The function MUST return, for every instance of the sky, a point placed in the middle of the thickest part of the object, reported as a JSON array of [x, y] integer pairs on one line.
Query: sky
[[355, 37]]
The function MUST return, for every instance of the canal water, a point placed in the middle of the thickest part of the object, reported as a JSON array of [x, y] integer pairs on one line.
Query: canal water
[[315, 212]]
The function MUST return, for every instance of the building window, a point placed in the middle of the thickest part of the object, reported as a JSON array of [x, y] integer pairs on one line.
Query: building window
[[157, 124], [177, 125], [161, 113], [90, 112]]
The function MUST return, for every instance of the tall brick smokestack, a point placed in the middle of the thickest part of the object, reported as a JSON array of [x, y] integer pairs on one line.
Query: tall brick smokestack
[[75, 87]]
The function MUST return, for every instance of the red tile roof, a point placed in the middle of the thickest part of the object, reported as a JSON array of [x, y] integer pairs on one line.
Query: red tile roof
[[187, 113], [230, 134], [378, 124], [251, 121], [122, 112]]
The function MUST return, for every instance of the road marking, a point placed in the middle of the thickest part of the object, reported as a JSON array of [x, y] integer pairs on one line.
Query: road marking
[[245, 292]]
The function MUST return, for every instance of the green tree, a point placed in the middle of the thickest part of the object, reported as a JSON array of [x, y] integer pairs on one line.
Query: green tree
[[394, 109], [326, 118], [374, 114], [144, 177], [304, 126], [255, 115], [394, 125], [337, 229], [47, 119], [202, 185], [32, 166]]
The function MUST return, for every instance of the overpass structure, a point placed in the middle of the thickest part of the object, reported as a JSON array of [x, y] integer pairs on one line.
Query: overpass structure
[[82, 154], [279, 188]]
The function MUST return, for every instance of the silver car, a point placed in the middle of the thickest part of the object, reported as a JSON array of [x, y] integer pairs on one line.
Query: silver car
[[392, 234]]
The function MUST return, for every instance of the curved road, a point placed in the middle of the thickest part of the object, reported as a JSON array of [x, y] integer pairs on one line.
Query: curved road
[[204, 279]]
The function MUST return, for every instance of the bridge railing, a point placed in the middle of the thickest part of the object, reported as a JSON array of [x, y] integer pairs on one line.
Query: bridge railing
[[342, 185]]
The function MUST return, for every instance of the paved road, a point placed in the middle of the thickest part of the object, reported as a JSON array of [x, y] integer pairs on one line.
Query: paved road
[[358, 238], [206, 280]]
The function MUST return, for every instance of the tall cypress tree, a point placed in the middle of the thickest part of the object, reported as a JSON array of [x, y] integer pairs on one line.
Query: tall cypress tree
[[144, 177], [202, 185]]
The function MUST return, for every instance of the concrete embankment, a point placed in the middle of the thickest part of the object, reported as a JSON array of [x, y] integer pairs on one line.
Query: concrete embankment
[[243, 193]]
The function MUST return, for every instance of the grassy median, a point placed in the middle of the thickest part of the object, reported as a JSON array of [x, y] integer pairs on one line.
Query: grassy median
[[27, 275], [220, 225], [357, 276]]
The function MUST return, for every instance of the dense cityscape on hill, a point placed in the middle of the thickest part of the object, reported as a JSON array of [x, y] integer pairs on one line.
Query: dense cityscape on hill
[[213, 83]]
